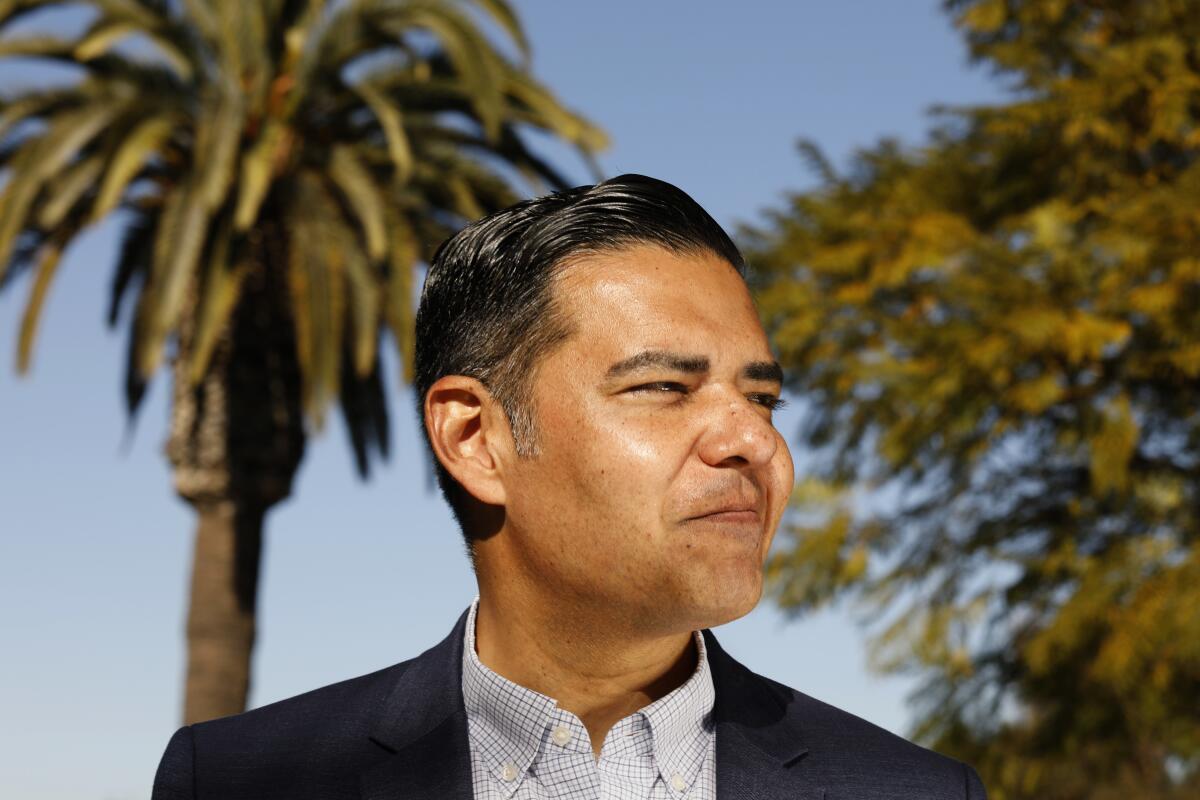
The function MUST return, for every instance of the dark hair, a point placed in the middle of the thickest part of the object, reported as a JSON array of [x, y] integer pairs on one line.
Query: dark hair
[[487, 311]]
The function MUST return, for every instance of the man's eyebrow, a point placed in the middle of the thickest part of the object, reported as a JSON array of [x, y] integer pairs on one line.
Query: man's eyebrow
[[763, 371], [769, 371], [659, 358]]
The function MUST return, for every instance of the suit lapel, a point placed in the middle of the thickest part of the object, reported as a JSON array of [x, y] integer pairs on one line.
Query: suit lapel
[[424, 725], [436, 766], [760, 745]]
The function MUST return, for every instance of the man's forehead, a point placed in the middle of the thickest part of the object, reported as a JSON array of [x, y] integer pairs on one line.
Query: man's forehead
[[646, 298], [649, 276], [650, 279]]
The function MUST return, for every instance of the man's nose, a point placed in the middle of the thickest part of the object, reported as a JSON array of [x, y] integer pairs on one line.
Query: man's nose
[[738, 433]]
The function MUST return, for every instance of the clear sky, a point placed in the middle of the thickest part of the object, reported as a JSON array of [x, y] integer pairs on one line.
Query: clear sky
[[95, 548]]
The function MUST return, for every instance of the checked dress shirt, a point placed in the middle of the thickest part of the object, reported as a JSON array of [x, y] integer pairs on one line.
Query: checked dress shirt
[[524, 747]]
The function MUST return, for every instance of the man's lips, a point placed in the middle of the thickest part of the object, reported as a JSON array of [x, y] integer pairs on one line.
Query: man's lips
[[743, 515], [729, 512]]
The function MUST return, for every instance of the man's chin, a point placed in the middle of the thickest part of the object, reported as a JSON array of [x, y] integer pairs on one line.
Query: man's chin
[[715, 611]]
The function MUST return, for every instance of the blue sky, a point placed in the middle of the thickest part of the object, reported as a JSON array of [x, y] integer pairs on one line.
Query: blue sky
[[95, 548]]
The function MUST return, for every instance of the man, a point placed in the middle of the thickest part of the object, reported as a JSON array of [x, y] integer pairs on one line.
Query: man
[[597, 390]]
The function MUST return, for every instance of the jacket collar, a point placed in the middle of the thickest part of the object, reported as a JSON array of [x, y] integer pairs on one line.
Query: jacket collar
[[761, 746], [423, 723]]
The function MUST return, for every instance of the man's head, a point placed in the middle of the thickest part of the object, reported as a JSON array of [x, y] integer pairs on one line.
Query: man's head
[[596, 389]]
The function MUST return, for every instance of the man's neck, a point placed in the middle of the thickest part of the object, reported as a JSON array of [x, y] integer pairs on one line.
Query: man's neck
[[596, 675]]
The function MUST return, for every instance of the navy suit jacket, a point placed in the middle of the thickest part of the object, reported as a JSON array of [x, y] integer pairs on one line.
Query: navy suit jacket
[[401, 734]]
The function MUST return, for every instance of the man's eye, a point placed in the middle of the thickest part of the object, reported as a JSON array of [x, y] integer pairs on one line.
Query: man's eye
[[662, 387], [772, 402]]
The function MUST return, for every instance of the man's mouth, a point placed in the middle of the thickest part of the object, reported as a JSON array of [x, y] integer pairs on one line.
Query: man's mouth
[[734, 511], [740, 516]]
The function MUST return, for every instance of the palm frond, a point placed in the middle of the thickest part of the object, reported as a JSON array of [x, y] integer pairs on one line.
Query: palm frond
[[535, 106], [70, 132], [134, 259], [177, 249], [330, 143], [364, 407], [35, 105], [220, 288], [154, 85], [51, 255], [403, 254], [391, 121], [315, 282], [257, 172], [39, 159], [217, 137], [139, 13], [107, 32], [77, 181], [24, 256], [231, 30], [363, 311], [135, 380], [252, 32], [145, 139], [52, 48], [202, 15], [473, 57], [355, 184], [502, 12], [510, 150]]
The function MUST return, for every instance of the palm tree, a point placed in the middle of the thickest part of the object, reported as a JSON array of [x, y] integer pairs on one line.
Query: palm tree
[[280, 169]]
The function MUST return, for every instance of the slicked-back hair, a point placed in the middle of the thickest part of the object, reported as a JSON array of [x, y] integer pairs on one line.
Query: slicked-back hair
[[487, 308]]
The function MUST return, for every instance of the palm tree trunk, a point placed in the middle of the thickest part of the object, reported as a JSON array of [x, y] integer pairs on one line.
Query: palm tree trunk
[[221, 619], [236, 440]]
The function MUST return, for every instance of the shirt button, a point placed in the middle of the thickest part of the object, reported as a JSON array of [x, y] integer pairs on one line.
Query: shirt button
[[677, 782], [509, 772], [561, 735]]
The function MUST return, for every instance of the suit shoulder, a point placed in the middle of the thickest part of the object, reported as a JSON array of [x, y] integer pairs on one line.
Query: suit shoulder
[[875, 761], [310, 745], [339, 711], [174, 779]]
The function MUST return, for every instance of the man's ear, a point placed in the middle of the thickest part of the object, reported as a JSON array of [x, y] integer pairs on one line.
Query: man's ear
[[469, 432]]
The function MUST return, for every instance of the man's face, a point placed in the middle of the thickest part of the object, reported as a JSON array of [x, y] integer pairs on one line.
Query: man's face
[[659, 479]]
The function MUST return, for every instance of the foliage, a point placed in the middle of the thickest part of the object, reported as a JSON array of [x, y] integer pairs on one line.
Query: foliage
[[332, 144], [998, 337]]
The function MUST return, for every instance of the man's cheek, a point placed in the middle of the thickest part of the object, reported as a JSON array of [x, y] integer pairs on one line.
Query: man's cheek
[[644, 445], [784, 467]]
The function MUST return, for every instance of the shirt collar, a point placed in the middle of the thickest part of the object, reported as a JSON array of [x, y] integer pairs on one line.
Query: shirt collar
[[682, 723], [514, 719]]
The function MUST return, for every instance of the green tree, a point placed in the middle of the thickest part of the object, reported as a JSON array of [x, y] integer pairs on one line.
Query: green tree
[[998, 338], [280, 168]]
